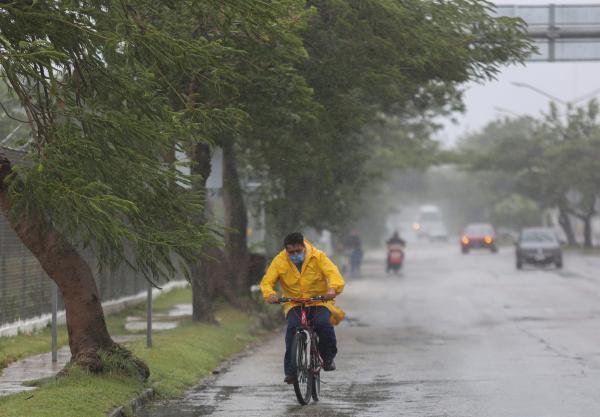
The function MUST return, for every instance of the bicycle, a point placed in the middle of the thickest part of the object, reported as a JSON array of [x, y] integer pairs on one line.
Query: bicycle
[[305, 355]]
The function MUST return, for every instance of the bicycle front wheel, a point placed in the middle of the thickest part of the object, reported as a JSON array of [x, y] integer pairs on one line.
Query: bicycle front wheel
[[316, 386], [315, 369], [301, 362]]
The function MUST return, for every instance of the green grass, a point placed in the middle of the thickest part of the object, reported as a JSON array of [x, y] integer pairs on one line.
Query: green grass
[[178, 360], [16, 347]]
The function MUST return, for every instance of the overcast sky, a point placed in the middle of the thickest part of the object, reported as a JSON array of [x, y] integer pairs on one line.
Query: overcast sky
[[563, 80]]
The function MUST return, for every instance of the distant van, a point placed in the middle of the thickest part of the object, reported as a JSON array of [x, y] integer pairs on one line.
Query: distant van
[[430, 224]]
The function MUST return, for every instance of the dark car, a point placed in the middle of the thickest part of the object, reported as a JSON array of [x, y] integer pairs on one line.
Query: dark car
[[478, 236], [539, 246]]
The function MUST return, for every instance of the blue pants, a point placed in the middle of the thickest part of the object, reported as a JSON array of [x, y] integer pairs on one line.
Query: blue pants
[[319, 316]]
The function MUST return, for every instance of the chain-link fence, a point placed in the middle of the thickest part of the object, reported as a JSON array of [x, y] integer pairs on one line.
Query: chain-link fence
[[25, 289]]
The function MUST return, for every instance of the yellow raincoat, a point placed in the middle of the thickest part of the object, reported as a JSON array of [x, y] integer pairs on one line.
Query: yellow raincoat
[[317, 276]]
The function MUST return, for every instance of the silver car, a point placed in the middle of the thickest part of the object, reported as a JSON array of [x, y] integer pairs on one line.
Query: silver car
[[539, 246]]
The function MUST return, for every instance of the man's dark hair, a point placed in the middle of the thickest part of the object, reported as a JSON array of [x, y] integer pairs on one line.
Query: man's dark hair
[[295, 238]]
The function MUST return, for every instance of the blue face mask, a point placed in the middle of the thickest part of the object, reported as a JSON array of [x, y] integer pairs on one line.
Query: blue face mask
[[297, 258]]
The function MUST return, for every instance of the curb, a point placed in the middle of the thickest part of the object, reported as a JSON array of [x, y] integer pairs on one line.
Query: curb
[[135, 404]]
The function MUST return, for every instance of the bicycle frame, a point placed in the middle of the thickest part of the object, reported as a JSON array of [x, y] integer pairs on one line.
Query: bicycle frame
[[304, 304], [306, 326], [314, 357]]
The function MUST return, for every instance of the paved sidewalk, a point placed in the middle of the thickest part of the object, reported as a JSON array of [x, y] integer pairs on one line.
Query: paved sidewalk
[[17, 374], [29, 369], [13, 378]]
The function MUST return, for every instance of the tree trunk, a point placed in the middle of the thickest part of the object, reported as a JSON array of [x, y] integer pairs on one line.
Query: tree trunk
[[86, 327], [565, 223], [236, 221], [587, 232], [202, 305]]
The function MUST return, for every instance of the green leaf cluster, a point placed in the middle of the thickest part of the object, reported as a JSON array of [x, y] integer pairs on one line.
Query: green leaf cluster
[[95, 81], [380, 71], [320, 97], [553, 160]]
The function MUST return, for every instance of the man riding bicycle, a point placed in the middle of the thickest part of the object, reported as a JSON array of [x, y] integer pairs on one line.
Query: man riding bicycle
[[303, 271]]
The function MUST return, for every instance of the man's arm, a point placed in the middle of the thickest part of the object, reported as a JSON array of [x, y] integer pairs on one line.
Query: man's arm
[[335, 281], [267, 284]]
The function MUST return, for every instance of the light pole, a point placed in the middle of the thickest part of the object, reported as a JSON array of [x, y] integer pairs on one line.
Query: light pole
[[504, 110], [569, 103]]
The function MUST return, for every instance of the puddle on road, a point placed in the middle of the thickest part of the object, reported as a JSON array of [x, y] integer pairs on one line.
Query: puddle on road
[[340, 400], [570, 274], [406, 336], [528, 318], [354, 322]]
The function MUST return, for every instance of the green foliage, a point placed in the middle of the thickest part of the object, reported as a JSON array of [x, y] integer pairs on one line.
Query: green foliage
[[572, 157], [321, 99], [501, 156], [369, 61], [119, 361], [516, 212], [93, 78], [554, 160]]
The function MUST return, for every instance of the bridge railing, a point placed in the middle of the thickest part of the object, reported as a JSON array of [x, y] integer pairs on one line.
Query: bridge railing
[[575, 15], [563, 32]]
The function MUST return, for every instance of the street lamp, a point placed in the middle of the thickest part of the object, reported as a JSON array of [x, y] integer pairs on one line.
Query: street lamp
[[554, 98], [504, 110]]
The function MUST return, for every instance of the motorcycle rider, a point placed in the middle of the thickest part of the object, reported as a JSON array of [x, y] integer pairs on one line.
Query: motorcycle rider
[[395, 243], [396, 240]]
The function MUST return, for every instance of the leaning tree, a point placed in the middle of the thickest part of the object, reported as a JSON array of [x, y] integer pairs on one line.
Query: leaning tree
[[89, 75]]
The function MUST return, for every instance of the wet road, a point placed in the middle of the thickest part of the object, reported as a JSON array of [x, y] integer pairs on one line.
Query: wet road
[[455, 336]]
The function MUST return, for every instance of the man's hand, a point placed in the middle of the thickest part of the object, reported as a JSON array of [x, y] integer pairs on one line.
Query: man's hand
[[273, 299], [330, 294]]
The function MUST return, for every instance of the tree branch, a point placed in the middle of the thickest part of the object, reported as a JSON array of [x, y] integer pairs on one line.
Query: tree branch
[[5, 169], [9, 115]]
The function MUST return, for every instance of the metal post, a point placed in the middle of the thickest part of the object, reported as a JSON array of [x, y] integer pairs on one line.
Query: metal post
[[552, 33], [3, 275], [54, 323], [149, 317]]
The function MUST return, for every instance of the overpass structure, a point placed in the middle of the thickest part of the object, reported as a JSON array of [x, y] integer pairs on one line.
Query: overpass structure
[[563, 32]]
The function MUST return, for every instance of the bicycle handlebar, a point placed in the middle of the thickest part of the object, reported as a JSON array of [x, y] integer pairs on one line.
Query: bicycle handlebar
[[303, 300]]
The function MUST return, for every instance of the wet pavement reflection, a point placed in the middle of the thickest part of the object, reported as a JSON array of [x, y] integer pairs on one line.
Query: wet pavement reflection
[[464, 336]]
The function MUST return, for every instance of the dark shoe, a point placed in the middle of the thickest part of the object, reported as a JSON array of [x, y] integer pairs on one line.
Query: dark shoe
[[289, 379], [329, 366]]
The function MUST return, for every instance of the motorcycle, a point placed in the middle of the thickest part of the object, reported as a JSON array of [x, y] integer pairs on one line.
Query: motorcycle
[[395, 258]]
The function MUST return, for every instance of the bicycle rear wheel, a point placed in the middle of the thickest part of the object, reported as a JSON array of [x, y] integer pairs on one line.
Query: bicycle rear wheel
[[301, 362]]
